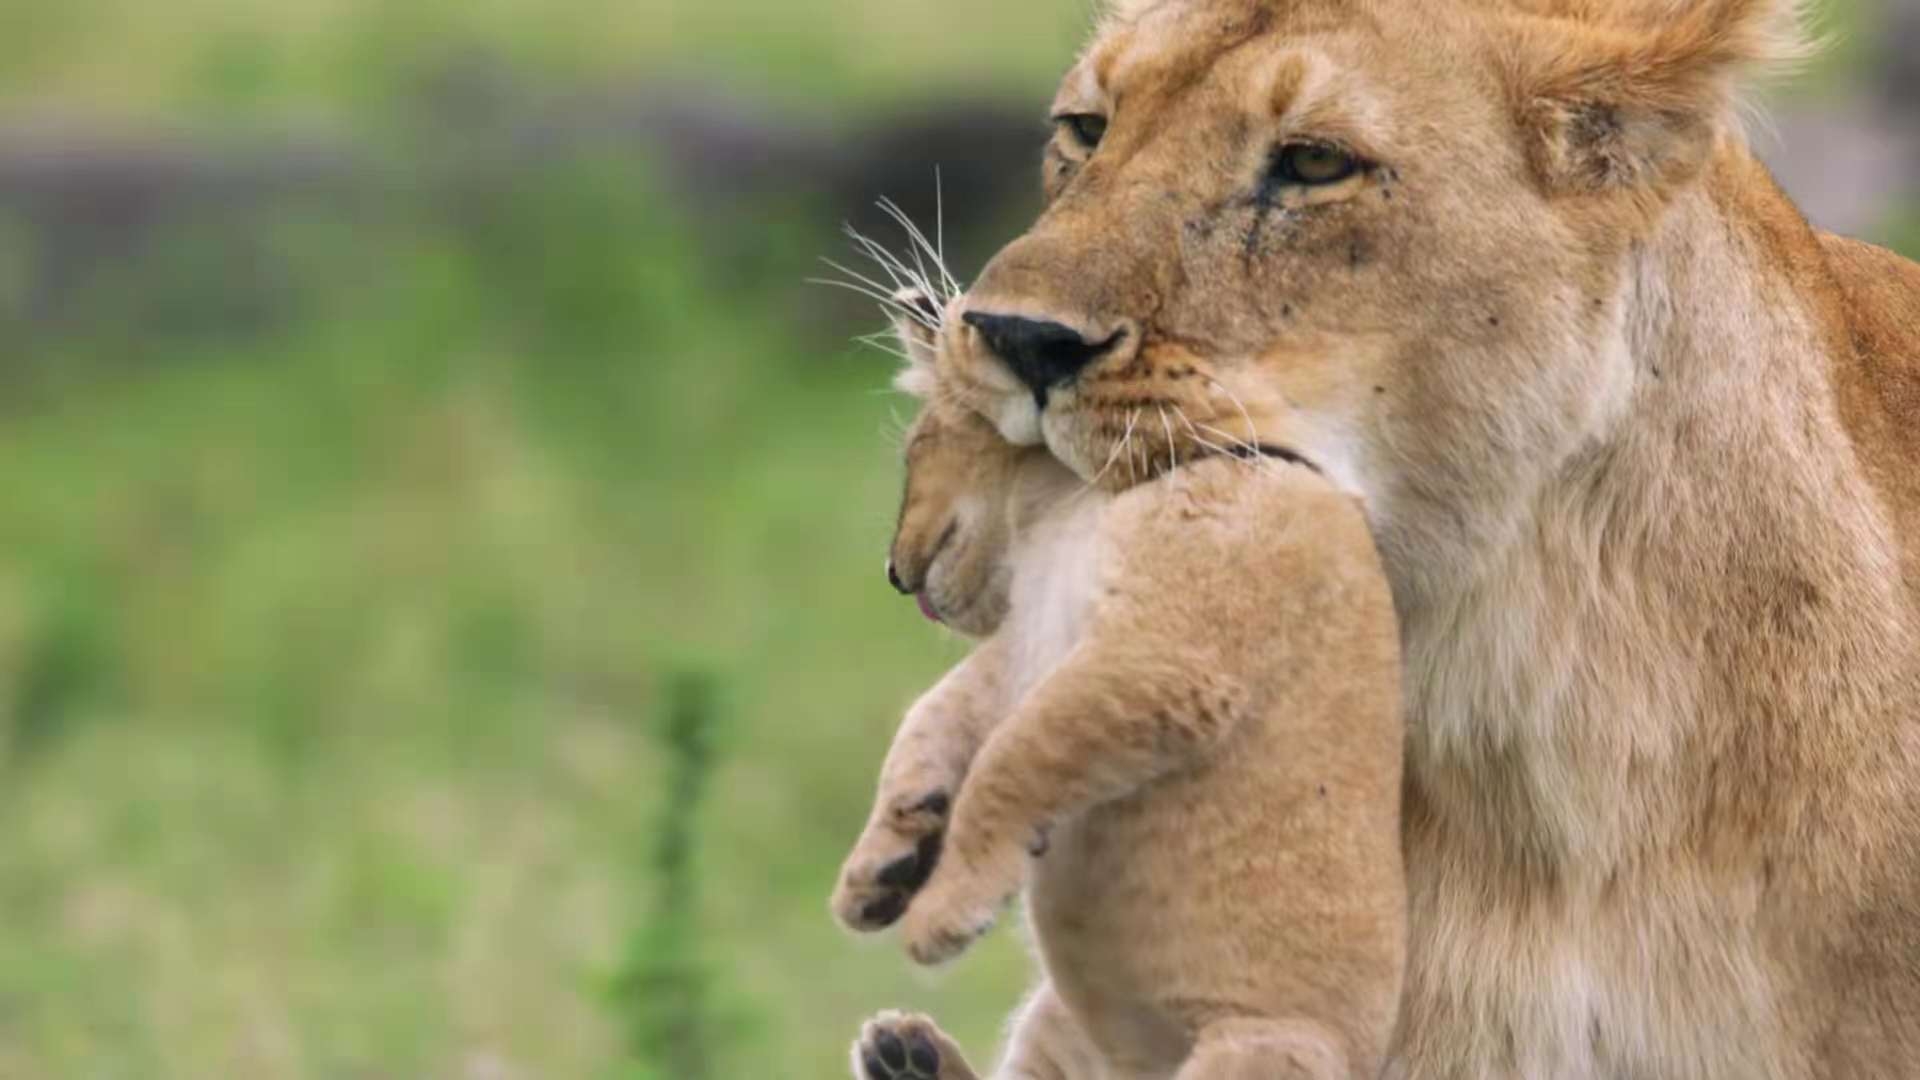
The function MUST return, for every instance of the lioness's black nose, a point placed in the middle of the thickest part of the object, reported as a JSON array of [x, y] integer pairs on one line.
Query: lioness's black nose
[[1041, 354]]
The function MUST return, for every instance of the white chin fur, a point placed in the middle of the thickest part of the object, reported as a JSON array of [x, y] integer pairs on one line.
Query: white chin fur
[[1018, 420]]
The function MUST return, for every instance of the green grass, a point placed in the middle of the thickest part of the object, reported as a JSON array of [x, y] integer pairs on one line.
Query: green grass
[[328, 660]]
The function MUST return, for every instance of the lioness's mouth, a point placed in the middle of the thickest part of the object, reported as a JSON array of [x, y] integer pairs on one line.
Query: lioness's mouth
[[1277, 452]]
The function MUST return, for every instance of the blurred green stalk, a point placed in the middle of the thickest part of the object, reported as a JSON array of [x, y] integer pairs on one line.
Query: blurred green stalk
[[663, 989]]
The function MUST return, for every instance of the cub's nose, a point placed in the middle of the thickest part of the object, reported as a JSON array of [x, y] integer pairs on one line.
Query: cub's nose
[[1041, 354]]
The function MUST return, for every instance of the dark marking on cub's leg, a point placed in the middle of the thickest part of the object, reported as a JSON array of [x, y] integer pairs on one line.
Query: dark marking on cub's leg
[[902, 878], [910, 871]]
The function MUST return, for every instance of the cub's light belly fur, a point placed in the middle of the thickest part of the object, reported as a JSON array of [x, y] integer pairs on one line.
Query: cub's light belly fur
[[1219, 890], [1057, 568]]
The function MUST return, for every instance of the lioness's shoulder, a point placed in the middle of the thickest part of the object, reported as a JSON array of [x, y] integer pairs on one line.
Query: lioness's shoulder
[[1881, 294], [1876, 381]]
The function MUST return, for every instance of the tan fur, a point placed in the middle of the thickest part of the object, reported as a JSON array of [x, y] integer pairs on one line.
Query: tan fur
[[1221, 892], [1641, 451]]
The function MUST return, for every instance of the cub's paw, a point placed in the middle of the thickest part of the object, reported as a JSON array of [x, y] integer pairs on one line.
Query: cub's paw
[[906, 1046], [959, 906], [891, 861]]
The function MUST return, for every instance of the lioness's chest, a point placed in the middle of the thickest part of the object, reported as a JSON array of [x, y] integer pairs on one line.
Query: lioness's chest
[[1561, 924], [1641, 979]]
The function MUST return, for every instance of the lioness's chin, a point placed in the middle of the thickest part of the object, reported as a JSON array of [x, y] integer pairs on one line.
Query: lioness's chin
[[1019, 420], [1066, 437]]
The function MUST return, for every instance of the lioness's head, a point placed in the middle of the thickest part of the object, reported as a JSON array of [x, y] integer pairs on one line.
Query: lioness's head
[[1392, 235]]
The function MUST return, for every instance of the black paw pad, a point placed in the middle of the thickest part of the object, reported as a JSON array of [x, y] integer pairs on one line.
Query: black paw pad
[[904, 1055]]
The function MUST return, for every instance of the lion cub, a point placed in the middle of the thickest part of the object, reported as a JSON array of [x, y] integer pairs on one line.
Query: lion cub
[[1181, 734]]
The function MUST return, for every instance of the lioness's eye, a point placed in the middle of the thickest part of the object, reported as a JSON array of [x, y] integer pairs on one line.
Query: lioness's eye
[[1086, 128], [1312, 164]]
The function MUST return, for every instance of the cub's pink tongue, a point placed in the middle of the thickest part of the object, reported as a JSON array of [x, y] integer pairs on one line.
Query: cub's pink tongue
[[926, 608]]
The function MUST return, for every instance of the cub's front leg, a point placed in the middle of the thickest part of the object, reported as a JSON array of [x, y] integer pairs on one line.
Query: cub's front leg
[[919, 781], [1111, 719]]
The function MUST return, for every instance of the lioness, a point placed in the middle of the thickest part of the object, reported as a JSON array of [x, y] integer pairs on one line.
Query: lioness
[[1221, 893], [1641, 452]]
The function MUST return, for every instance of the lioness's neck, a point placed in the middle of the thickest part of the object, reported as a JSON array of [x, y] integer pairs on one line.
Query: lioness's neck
[[1690, 585]]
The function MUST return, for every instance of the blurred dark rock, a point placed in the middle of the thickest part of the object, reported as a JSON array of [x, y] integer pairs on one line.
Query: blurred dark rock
[[91, 200], [987, 161], [84, 200], [976, 160]]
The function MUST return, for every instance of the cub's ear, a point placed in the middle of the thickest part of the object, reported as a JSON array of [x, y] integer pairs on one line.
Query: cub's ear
[[916, 315], [1628, 96]]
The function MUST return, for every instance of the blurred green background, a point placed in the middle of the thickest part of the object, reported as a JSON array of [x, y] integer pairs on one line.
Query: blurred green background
[[442, 631]]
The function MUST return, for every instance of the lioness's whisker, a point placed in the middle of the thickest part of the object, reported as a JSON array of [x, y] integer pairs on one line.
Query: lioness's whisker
[[884, 341], [1126, 440], [872, 288], [1252, 431], [1235, 441], [1173, 457], [904, 277], [886, 305], [898, 273], [1257, 461], [915, 242], [894, 428], [949, 287], [940, 234], [1112, 456], [918, 285], [868, 287]]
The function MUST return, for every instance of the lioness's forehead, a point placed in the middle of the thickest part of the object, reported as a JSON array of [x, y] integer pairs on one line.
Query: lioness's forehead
[[1236, 16], [1274, 50]]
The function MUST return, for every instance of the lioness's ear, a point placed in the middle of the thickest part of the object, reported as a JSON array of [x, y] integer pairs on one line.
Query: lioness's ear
[[915, 315], [1628, 97]]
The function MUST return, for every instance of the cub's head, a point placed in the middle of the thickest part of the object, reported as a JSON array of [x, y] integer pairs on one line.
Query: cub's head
[[1392, 235], [967, 489]]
